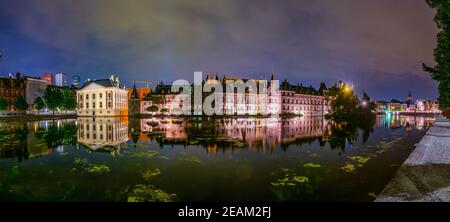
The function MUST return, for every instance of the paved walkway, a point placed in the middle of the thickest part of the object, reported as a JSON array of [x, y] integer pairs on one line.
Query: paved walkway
[[425, 175]]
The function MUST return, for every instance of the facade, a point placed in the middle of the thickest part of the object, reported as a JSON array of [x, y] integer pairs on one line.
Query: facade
[[60, 79], [10, 89], [103, 97], [35, 87], [48, 77], [288, 99], [162, 98], [306, 101]]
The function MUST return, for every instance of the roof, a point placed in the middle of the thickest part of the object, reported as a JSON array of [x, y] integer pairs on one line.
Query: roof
[[395, 101], [102, 82], [134, 93]]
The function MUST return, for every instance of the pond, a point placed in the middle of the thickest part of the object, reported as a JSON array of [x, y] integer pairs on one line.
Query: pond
[[203, 159]]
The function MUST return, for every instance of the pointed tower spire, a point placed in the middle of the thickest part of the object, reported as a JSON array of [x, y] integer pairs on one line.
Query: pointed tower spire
[[134, 93]]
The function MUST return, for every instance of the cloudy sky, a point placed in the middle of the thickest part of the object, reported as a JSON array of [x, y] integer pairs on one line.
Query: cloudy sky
[[376, 45]]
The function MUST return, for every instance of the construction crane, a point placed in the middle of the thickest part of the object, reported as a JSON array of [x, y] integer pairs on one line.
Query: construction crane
[[144, 82]]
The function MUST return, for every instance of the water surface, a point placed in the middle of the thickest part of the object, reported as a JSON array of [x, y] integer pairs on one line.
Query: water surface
[[203, 159]]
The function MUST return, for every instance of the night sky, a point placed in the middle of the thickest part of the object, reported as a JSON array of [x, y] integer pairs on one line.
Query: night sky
[[377, 45]]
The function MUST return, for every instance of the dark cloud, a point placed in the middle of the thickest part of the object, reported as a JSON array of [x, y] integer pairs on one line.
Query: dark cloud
[[364, 42]]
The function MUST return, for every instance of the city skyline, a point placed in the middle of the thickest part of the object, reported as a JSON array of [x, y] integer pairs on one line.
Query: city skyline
[[302, 41]]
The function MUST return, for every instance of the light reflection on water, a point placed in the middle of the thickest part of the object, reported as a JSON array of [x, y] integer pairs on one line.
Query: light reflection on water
[[237, 158]]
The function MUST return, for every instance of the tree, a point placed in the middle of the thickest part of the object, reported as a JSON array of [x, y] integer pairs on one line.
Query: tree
[[3, 104], [20, 103], [345, 104], [53, 98], [39, 103], [69, 99], [441, 71], [164, 110]]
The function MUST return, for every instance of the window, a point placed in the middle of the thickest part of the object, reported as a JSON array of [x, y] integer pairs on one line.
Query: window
[[100, 95], [93, 95], [87, 96], [101, 104], [93, 105], [87, 105]]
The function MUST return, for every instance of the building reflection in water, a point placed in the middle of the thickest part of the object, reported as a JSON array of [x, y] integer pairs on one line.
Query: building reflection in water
[[27, 140], [102, 134], [255, 132], [408, 122]]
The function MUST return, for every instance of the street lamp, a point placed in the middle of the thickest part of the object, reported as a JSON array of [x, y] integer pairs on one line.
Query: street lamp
[[347, 89]]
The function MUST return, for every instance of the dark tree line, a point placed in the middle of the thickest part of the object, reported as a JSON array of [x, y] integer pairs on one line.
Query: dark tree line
[[441, 70]]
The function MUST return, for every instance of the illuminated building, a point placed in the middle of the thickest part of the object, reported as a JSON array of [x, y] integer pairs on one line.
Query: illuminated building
[[48, 77], [288, 99], [10, 89], [76, 81], [60, 79], [103, 97]]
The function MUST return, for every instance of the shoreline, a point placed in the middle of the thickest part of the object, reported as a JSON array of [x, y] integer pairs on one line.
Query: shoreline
[[425, 174], [32, 117]]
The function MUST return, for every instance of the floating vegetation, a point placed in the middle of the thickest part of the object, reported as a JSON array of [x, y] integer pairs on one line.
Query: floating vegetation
[[384, 145], [63, 153], [360, 159], [290, 180], [98, 168], [148, 193], [149, 174], [15, 170], [349, 168], [148, 154], [286, 170], [80, 161], [311, 165], [194, 159], [314, 155], [372, 194]]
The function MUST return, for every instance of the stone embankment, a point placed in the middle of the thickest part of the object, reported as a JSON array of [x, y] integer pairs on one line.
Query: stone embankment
[[425, 175]]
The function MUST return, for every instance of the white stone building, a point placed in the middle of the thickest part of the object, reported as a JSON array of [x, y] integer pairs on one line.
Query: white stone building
[[103, 97]]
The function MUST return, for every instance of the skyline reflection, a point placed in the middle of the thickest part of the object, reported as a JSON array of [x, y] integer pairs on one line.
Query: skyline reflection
[[35, 139]]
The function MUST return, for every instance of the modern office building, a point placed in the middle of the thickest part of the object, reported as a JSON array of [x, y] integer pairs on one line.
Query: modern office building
[[35, 87], [48, 77], [76, 80], [60, 79], [103, 97]]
